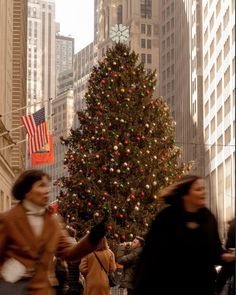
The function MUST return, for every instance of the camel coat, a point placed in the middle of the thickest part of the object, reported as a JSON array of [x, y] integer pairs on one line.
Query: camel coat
[[96, 280], [18, 241]]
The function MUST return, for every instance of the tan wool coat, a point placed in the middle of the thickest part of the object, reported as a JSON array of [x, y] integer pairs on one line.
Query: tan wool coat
[[96, 280], [18, 241]]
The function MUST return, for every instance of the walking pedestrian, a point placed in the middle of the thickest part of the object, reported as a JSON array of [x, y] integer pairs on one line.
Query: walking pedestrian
[[31, 235], [95, 268], [128, 255], [182, 245]]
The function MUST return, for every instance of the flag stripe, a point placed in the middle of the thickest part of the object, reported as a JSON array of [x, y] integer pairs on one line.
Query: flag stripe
[[36, 129]]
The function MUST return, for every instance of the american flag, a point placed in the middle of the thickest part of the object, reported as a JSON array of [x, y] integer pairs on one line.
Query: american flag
[[36, 129]]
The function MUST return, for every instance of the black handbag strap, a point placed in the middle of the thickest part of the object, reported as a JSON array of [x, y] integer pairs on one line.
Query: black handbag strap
[[100, 263]]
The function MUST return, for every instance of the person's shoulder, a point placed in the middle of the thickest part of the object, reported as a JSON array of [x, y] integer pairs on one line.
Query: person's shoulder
[[13, 211], [166, 212], [207, 212]]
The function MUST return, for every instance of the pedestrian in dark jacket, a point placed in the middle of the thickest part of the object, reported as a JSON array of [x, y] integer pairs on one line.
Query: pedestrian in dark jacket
[[226, 276], [128, 255], [182, 245]]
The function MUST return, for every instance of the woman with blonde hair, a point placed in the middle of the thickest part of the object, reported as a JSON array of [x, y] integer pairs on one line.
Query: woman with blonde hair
[[93, 268], [182, 245]]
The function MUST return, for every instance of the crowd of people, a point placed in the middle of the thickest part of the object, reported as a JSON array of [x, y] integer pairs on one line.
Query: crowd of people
[[39, 255]]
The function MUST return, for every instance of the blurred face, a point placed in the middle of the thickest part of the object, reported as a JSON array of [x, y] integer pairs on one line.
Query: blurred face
[[135, 244], [39, 193], [196, 197]]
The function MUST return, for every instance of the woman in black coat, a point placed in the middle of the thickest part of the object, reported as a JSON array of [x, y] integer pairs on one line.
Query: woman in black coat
[[182, 245]]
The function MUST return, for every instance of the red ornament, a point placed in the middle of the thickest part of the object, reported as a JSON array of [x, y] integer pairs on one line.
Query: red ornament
[[102, 81], [123, 237], [121, 216], [89, 204], [138, 138], [126, 142], [109, 227], [132, 197], [104, 168], [142, 194]]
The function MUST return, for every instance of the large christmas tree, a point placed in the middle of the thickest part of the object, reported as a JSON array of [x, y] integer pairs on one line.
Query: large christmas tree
[[124, 151]]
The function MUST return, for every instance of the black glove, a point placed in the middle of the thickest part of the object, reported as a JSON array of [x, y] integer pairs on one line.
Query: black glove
[[98, 232]]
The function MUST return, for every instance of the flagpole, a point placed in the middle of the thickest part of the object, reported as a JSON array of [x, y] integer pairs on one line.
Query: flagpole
[[8, 131], [25, 107], [14, 144]]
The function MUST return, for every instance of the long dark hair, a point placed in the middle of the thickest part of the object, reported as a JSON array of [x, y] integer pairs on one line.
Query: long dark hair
[[173, 193]]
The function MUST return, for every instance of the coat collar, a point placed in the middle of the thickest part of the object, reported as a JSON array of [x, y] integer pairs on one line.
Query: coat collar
[[26, 231]]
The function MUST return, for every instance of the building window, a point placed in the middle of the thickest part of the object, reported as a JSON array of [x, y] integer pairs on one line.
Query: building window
[[163, 45], [206, 60], [227, 106], [149, 30], [119, 14], [212, 22], [213, 151], [226, 47], [149, 58], [212, 47], [228, 135], [143, 43], [168, 41], [213, 125], [226, 76], [146, 8], [206, 83], [207, 133], [220, 144], [212, 99], [172, 54], [163, 30], [218, 35], [219, 61], [219, 89], [163, 15], [218, 7], [226, 18], [143, 28], [206, 35], [212, 73], [206, 11], [219, 116], [233, 35], [206, 108], [149, 43]]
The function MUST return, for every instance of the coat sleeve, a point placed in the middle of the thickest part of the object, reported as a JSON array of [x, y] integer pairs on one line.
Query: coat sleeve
[[84, 266], [73, 252], [112, 262], [129, 258]]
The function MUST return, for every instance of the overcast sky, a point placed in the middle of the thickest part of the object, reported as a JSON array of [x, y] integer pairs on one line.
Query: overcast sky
[[76, 19]]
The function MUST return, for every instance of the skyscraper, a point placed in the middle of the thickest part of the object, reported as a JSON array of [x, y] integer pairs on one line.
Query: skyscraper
[[13, 38], [141, 18], [219, 105], [197, 77], [181, 74], [41, 76]]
